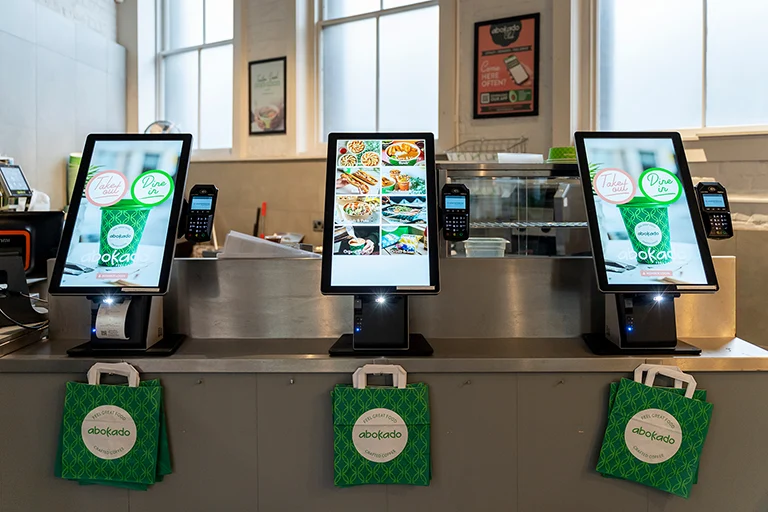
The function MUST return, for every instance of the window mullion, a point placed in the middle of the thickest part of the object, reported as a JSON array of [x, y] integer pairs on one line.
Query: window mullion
[[199, 97], [704, 65], [378, 72]]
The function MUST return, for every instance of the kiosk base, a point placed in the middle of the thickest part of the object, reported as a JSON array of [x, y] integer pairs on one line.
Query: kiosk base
[[602, 346], [165, 347], [418, 346]]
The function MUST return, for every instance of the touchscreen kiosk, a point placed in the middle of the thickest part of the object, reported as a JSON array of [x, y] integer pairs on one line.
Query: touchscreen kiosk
[[380, 240], [119, 237], [648, 240]]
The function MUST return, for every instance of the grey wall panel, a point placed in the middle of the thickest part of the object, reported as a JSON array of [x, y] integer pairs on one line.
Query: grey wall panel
[[296, 448], [212, 431], [31, 408], [474, 446], [561, 421], [733, 475]]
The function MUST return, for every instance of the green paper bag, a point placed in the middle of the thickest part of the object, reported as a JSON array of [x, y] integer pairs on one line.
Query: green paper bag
[[110, 434], [698, 394], [164, 465], [381, 435], [655, 437]]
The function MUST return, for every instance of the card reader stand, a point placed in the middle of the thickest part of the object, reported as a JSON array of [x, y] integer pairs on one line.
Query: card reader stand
[[380, 328], [127, 330], [639, 324]]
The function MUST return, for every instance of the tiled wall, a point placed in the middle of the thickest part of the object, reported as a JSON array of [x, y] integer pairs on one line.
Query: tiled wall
[[98, 15], [61, 81], [294, 192]]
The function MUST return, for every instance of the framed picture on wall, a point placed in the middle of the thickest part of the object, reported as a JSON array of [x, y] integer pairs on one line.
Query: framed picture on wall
[[266, 96], [506, 76]]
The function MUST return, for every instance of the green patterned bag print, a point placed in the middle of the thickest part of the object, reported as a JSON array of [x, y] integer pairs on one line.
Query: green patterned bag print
[[164, 465], [110, 434], [381, 435], [654, 436]]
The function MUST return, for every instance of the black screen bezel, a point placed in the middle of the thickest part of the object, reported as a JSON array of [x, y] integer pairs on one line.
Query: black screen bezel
[[173, 224], [432, 217], [690, 194]]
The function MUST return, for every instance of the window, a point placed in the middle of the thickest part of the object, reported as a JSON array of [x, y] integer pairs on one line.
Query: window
[[196, 66], [379, 65], [682, 64]]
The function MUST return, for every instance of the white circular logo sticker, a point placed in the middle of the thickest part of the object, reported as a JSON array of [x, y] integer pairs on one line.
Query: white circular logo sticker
[[108, 432], [120, 236], [653, 436], [380, 435], [648, 234], [614, 186], [152, 187], [106, 188]]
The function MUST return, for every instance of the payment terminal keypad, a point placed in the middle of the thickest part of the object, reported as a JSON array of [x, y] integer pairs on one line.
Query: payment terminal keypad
[[455, 206], [199, 228]]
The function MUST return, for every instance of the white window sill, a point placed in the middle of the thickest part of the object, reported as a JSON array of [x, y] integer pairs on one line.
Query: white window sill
[[724, 132]]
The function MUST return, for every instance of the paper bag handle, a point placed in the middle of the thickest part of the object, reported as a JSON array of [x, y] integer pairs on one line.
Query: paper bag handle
[[360, 377], [677, 375], [645, 367], [124, 369]]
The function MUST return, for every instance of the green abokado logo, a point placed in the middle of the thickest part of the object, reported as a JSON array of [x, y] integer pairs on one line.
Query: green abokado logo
[[653, 436], [108, 432], [380, 435]]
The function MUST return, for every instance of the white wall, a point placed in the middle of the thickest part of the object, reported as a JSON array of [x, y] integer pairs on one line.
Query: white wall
[[61, 81]]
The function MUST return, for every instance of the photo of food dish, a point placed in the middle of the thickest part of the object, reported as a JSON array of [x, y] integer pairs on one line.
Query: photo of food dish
[[405, 180], [404, 210], [357, 210], [411, 240], [358, 153], [357, 181], [356, 240], [403, 152]]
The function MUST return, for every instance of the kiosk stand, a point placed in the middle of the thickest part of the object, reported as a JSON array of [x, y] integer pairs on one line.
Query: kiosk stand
[[119, 239], [648, 240], [380, 242]]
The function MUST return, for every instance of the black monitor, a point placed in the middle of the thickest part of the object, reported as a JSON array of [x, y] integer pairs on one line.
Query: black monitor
[[646, 231], [380, 239], [380, 215], [122, 225], [33, 236]]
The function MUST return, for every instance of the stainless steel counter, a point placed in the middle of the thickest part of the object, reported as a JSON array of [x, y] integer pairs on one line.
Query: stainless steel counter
[[455, 355]]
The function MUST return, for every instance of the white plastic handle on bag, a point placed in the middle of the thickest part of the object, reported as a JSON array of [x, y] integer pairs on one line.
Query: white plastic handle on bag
[[124, 369], [360, 377], [677, 375], [645, 367]]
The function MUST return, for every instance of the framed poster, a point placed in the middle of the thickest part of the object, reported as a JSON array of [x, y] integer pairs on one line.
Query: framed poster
[[507, 67], [266, 96]]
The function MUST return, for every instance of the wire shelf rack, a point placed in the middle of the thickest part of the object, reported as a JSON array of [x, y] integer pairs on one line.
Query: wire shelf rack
[[486, 150]]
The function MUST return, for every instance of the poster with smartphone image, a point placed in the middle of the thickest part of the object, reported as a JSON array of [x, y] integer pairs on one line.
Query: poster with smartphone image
[[380, 214], [120, 232], [644, 221]]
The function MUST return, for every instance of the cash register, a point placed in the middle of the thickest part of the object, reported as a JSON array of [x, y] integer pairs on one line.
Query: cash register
[[380, 241], [119, 238], [648, 240]]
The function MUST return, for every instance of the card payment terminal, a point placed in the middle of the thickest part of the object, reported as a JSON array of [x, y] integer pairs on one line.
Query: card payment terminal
[[202, 206], [455, 203], [715, 211]]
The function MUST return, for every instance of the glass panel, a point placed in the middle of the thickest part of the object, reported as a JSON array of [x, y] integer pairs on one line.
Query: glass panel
[[349, 77], [216, 97], [341, 8], [389, 4], [184, 21], [650, 82], [181, 92], [736, 74], [219, 20], [408, 72]]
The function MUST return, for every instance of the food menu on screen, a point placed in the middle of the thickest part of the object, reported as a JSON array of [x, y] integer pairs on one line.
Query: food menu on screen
[[644, 222], [380, 214]]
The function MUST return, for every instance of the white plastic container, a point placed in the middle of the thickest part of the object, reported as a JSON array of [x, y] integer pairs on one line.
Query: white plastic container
[[485, 247]]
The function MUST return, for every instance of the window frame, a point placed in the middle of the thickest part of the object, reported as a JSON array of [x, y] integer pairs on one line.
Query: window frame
[[321, 24], [589, 56], [163, 37]]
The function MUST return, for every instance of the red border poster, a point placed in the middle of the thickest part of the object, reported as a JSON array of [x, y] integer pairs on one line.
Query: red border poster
[[507, 67]]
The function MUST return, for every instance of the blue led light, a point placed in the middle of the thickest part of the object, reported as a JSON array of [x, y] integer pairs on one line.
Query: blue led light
[[629, 329], [357, 329], [93, 330]]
